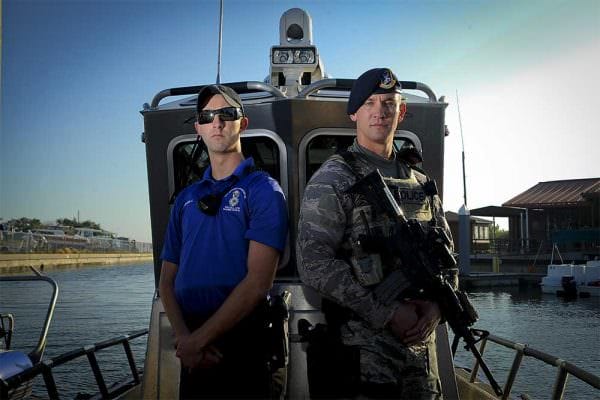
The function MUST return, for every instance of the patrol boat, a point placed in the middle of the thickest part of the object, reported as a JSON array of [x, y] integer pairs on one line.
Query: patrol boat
[[297, 120]]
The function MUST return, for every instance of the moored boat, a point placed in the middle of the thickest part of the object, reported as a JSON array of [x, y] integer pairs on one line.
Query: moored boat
[[572, 280]]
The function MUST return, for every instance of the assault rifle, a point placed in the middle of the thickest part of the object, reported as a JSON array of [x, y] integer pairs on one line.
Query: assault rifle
[[424, 255]]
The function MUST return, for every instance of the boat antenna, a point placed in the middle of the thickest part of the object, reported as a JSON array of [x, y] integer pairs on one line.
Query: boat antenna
[[464, 216], [463, 150], [220, 42]]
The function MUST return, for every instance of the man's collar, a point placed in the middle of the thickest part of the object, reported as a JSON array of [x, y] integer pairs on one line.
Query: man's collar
[[245, 168], [372, 155], [240, 172]]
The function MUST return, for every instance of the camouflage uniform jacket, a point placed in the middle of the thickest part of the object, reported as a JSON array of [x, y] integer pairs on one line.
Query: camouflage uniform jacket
[[329, 224]]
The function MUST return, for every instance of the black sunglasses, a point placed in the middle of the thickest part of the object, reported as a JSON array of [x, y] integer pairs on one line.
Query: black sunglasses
[[226, 114]]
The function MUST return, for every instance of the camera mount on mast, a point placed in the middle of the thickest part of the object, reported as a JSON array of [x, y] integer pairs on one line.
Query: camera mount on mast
[[295, 63]]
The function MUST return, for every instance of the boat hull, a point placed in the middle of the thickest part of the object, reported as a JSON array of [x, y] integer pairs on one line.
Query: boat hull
[[573, 280], [582, 290]]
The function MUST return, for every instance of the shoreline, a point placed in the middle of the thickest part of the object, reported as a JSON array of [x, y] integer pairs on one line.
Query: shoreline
[[20, 263]]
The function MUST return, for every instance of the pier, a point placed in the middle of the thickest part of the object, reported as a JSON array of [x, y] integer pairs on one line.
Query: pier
[[490, 272], [19, 263], [499, 279]]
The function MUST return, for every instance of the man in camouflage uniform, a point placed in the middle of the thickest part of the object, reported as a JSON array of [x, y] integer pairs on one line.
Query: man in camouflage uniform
[[396, 341]]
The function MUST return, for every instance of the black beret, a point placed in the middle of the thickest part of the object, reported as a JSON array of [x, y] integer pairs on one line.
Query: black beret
[[376, 80], [230, 96]]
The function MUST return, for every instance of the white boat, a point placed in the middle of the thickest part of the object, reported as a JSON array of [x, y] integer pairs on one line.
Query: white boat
[[573, 280]]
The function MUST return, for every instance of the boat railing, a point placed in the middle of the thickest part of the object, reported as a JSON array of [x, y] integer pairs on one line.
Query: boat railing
[[346, 84], [6, 329], [45, 368], [239, 87], [36, 354], [565, 368], [339, 84]]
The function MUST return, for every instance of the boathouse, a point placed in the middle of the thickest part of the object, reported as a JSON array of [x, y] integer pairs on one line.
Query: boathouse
[[481, 232], [564, 212]]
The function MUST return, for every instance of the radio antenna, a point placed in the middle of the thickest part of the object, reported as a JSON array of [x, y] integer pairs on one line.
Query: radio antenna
[[464, 216], [463, 150], [220, 43]]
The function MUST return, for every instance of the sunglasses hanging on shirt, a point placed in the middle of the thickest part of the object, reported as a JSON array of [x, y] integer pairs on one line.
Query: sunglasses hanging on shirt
[[226, 114], [210, 203]]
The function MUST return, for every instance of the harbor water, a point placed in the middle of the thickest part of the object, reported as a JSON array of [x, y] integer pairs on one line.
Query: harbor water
[[97, 303], [94, 304], [567, 329]]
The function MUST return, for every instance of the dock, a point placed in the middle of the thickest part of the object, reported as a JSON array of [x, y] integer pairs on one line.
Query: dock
[[487, 271], [500, 279], [19, 263]]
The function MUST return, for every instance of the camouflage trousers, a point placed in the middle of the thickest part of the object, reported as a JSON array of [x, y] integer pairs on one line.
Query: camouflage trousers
[[412, 371]]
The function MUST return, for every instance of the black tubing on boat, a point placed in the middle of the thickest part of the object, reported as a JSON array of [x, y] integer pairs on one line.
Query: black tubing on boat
[[239, 87], [339, 84], [346, 84]]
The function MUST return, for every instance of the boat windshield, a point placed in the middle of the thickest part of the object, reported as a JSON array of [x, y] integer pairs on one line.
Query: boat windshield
[[188, 167]]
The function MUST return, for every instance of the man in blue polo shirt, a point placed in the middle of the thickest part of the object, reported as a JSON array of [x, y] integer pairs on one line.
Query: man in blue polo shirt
[[225, 235]]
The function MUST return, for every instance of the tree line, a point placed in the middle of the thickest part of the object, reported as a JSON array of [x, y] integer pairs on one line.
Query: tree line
[[27, 224]]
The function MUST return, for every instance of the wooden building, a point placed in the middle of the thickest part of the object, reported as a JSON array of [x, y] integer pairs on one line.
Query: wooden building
[[481, 232], [565, 212]]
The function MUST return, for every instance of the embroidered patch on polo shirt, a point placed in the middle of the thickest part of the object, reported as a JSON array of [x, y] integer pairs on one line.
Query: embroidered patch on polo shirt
[[233, 204]]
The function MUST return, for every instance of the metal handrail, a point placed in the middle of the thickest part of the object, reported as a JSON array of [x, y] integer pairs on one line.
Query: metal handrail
[[564, 367], [45, 368], [37, 353], [255, 86], [239, 87], [419, 86], [342, 84], [346, 84], [6, 333]]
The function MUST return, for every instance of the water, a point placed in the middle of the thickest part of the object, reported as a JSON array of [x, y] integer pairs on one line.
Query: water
[[94, 304], [97, 303], [566, 329]]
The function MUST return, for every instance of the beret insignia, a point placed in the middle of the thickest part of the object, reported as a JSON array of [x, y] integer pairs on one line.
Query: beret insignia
[[387, 79]]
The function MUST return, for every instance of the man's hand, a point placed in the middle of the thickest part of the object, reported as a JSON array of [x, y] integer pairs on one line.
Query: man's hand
[[191, 357], [429, 318], [179, 336], [403, 319]]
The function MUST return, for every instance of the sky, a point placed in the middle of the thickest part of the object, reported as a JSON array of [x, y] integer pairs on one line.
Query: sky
[[76, 73]]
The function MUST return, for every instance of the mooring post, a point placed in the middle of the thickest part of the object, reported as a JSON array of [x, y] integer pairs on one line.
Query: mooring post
[[464, 241]]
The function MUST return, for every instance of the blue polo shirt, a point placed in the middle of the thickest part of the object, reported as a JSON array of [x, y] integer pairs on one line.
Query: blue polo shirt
[[212, 251]]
